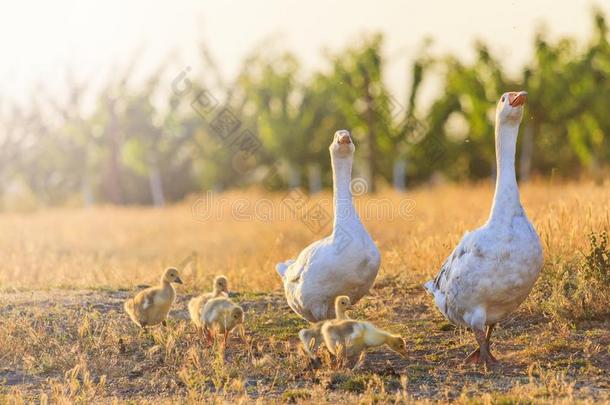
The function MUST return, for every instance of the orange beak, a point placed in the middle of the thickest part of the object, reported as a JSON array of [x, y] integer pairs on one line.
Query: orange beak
[[515, 99], [344, 140]]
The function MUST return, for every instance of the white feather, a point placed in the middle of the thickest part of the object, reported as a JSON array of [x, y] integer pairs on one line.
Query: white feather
[[492, 269], [344, 263]]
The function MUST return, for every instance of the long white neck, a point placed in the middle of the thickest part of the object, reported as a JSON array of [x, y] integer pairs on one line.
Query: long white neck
[[343, 206], [506, 203]]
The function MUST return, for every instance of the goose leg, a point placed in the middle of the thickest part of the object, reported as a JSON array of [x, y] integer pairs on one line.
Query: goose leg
[[484, 356], [208, 335], [490, 329], [475, 356], [201, 331]]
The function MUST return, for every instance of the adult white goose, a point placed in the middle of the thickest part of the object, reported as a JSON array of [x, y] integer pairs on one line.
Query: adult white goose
[[492, 269], [344, 263]]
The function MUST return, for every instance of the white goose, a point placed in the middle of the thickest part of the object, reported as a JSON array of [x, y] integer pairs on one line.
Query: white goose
[[344, 263], [492, 269]]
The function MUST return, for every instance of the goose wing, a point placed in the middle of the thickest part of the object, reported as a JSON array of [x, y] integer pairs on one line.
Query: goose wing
[[468, 249], [307, 259]]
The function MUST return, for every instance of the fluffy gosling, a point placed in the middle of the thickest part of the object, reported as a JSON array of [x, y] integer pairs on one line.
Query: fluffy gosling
[[151, 306], [220, 289], [221, 315], [349, 339], [311, 338]]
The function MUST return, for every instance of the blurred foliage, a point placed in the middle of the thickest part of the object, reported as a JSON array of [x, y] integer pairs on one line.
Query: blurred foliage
[[149, 144]]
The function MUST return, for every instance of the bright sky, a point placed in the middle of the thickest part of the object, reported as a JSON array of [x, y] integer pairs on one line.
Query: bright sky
[[41, 41]]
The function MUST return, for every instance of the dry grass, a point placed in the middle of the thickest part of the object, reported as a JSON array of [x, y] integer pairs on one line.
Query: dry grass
[[64, 337]]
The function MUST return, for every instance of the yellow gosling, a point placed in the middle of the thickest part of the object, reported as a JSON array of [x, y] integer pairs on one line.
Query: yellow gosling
[[151, 306], [349, 339], [311, 338], [221, 315], [220, 289]]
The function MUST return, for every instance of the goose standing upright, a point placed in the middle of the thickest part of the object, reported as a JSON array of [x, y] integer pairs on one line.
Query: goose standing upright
[[493, 269], [344, 263]]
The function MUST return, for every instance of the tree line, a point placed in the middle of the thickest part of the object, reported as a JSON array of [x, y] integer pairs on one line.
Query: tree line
[[150, 143]]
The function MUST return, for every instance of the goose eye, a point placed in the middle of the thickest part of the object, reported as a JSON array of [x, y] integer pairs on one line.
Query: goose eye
[[502, 99]]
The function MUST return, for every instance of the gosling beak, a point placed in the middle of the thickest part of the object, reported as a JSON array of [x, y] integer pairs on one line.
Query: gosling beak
[[178, 280], [516, 99]]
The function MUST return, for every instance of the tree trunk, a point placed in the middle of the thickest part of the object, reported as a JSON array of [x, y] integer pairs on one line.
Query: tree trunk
[[371, 136], [314, 178], [156, 185], [399, 174], [113, 176], [87, 190], [294, 177]]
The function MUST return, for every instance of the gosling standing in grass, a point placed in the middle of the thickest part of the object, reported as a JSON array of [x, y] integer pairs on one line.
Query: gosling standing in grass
[[311, 338], [350, 339], [220, 289], [221, 315], [151, 306]]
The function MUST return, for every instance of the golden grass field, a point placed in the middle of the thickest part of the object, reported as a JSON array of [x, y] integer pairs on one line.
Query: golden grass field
[[64, 273]]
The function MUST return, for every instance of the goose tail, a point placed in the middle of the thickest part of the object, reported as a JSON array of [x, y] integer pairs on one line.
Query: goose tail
[[282, 267], [439, 296], [430, 287], [129, 307]]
